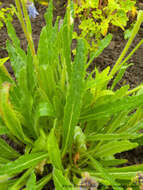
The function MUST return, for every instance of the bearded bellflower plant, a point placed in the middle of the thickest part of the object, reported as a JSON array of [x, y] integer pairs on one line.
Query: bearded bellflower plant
[[69, 124]]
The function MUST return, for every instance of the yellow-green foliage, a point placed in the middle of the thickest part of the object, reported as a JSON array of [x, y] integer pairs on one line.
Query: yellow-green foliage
[[42, 2], [97, 16], [5, 14]]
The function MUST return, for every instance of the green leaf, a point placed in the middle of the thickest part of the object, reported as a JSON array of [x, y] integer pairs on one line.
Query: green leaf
[[105, 173], [117, 121], [47, 47], [74, 96], [100, 81], [138, 126], [121, 92], [117, 175], [125, 173], [43, 181], [3, 60], [6, 185], [47, 79], [20, 182], [17, 57], [40, 144], [132, 168], [79, 139], [45, 109], [58, 103], [116, 106], [53, 150], [30, 71], [112, 136], [120, 75], [43, 47], [114, 147], [22, 163], [9, 116], [66, 45], [4, 75], [102, 45], [61, 183], [31, 184], [12, 34], [113, 162], [66, 32], [49, 16], [7, 151], [3, 130], [3, 161], [26, 102], [5, 178]]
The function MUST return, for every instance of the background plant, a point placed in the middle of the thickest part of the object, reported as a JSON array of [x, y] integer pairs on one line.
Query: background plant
[[5, 14], [70, 123], [97, 17]]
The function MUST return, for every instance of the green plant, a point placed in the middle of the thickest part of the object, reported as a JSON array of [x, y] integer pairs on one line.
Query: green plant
[[5, 14], [96, 17], [42, 2], [127, 32], [70, 123]]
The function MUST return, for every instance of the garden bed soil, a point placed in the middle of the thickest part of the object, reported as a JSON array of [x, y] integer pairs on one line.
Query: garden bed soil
[[133, 75]]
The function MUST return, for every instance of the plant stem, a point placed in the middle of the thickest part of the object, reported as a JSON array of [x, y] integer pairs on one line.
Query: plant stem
[[130, 54], [26, 16], [135, 89], [134, 32], [21, 19]]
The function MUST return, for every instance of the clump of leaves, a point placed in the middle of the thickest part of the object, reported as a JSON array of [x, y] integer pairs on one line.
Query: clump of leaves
[[71, 124], [5, 14], [96, 17]]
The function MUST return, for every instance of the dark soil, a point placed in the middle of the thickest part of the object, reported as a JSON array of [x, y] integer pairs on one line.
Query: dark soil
[[133, 75]]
